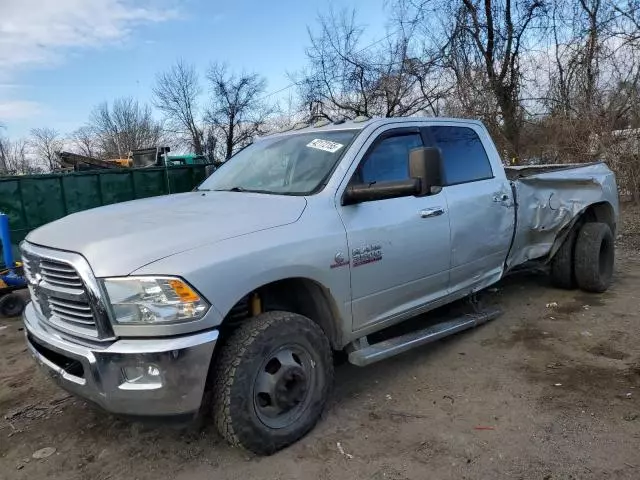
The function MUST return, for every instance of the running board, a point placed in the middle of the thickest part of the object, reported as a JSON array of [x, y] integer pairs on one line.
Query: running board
[[389, 348]]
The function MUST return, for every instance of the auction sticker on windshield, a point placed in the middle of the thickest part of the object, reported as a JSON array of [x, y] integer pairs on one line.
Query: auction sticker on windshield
[[326, 145]]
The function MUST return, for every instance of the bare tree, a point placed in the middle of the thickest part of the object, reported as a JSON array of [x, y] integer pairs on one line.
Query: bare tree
[[4, 151], [15, 158], [210, 144], [85, 141], [287, 111], [492, 36], [176, 94], [484, 42], [46, 142], [592, 99], [237, 111], [388, 77], [626, 25], [123, 127]]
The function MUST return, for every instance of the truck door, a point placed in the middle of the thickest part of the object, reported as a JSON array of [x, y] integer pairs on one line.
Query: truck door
[[399, 248], [481, 208]]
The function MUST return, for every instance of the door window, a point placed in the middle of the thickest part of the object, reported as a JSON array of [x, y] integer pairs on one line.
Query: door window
[[464, 157], [389, 159]]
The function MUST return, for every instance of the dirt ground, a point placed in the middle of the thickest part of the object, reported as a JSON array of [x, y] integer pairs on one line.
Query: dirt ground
[[550, 390]]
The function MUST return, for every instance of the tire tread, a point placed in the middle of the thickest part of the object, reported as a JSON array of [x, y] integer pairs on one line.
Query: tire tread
[[562, 264], [587, 257], [229, 361]]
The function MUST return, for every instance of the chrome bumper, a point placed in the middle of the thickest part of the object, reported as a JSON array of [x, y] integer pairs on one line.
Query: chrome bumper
[[180, 366]]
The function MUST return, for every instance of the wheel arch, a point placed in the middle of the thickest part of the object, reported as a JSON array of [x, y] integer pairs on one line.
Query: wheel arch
[[595, 212], [601, 212], [300, 295]]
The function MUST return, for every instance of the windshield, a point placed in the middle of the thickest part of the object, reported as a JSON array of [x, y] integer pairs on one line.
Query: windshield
[[295, 164]]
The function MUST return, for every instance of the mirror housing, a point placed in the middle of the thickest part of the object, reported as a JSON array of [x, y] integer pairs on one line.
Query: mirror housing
[[364, 192], [425, 172], [425, 164]]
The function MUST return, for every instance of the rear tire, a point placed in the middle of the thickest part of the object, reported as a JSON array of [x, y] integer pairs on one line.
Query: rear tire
[[271, 381], [562, 264], [11, 305], [594, 257]]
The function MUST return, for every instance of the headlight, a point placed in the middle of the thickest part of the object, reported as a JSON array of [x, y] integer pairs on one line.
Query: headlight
[[150, 300]]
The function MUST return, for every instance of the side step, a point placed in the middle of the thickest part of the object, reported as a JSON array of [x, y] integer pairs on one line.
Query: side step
[[389, 348]]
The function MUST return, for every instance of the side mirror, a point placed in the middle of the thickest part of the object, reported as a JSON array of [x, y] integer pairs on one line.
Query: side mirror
[[425, 172], [364, 192], [425, 164]]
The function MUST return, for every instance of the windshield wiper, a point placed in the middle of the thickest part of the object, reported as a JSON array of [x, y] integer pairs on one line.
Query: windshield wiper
[[248, 190], [233, 189]]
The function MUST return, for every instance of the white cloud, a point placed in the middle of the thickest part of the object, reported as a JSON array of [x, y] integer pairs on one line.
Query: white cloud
[[40, 32], [16, 109]]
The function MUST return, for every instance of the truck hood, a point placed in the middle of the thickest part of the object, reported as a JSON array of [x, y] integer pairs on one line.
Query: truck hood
[[118, 239]]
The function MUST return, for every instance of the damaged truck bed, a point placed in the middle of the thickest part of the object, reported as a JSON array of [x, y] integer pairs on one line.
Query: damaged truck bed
[[550, 199]]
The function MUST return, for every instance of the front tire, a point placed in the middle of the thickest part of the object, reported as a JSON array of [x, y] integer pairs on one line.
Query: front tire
[[594, 257], [271, 381]]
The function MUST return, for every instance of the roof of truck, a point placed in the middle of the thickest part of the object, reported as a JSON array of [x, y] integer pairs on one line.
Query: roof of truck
[[360, 123]]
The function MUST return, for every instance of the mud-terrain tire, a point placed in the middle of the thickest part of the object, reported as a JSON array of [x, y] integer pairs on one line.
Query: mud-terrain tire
[[11, 305], [271, 381], [594, 257], [562, 264]]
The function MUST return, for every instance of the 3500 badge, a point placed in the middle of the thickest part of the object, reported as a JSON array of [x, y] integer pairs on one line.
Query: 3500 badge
[[366, 254]]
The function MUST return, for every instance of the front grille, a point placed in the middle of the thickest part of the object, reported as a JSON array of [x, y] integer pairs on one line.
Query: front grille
[[59, 295], [60, 275]]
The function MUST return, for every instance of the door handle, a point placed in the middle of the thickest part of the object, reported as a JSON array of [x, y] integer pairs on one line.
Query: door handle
[[431, 212], [502, 197]]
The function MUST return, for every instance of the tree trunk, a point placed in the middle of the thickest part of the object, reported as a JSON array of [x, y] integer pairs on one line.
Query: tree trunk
[[511, 124], [229, 142], [197, 142]]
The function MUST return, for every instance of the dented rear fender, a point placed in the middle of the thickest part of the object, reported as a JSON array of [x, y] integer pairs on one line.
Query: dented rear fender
[[551, 202]]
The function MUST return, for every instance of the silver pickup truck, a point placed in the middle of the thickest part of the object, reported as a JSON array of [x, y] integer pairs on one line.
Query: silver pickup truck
[[235, 297]]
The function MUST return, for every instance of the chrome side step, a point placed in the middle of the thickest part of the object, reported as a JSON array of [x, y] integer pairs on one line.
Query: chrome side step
[[393, 346]]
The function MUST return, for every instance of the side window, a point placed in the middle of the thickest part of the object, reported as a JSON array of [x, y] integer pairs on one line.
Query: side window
[[389, 159], [464, 157]]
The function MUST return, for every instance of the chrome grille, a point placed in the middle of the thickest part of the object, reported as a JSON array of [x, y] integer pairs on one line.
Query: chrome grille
[[59, 294], [60, 275]]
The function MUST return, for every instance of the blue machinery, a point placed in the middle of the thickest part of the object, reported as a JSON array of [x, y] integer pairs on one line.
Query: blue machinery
[[11, 276]]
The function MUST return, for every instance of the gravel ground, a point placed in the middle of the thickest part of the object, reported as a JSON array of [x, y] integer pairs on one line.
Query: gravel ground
[[550, 390]]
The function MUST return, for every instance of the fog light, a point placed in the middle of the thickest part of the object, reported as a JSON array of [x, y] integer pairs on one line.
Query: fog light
[[141, 377]]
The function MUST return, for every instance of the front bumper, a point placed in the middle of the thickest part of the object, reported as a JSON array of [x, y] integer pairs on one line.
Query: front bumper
[[97, 373]]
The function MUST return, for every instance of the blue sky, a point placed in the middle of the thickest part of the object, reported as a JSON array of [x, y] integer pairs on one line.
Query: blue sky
[[59, 58]]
